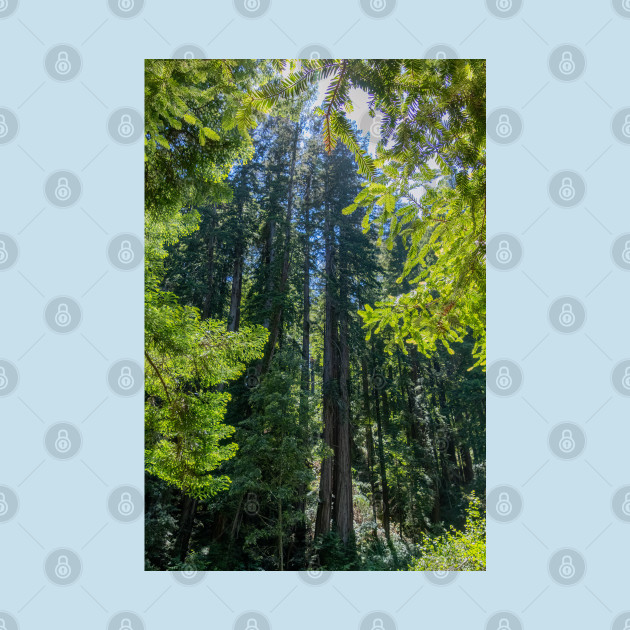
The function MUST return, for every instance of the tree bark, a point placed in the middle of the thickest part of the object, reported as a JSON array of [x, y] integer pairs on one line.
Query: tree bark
[[330, 381], [276, 316], [343, 481], [369, 440], [381, 457], [187, 517], [207, 302], [234, 317]]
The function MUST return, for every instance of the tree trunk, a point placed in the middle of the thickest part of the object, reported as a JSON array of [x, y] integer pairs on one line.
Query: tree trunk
[[234, 317], [381, 457], [343, 481], [187, 517], [276, 316], [369, 440], [207, 302], [330, 381]]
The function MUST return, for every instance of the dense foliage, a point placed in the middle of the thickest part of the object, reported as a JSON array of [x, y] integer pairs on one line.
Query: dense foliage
[[300, 412]]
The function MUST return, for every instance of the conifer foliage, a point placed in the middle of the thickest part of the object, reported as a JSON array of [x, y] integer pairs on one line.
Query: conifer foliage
[[314, 315]]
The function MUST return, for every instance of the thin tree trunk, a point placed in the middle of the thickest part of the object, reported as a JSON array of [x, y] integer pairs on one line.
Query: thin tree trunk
[[343, 482], [182, 542], [234, 317], [207, 302], [369, 440], [381, 456]]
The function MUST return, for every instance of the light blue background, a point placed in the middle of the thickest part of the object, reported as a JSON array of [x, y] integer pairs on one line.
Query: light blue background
[[63, 252]]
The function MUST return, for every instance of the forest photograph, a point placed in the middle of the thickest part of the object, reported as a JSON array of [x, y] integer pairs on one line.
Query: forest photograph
[[315, 315]]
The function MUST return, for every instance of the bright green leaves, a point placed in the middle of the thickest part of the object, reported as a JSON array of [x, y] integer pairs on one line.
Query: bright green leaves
[[188, 360], [456, 550]]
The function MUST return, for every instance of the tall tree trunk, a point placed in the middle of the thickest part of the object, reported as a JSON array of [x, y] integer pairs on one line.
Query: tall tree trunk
[[301, 528], [187, 517], [330, 381], [343, 481], [276, 316], [207, 302], [381, 457], [306, 301], [369, 440], [234, 317]]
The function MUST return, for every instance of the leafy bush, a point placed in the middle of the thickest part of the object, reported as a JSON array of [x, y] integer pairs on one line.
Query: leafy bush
[[456, 550]]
